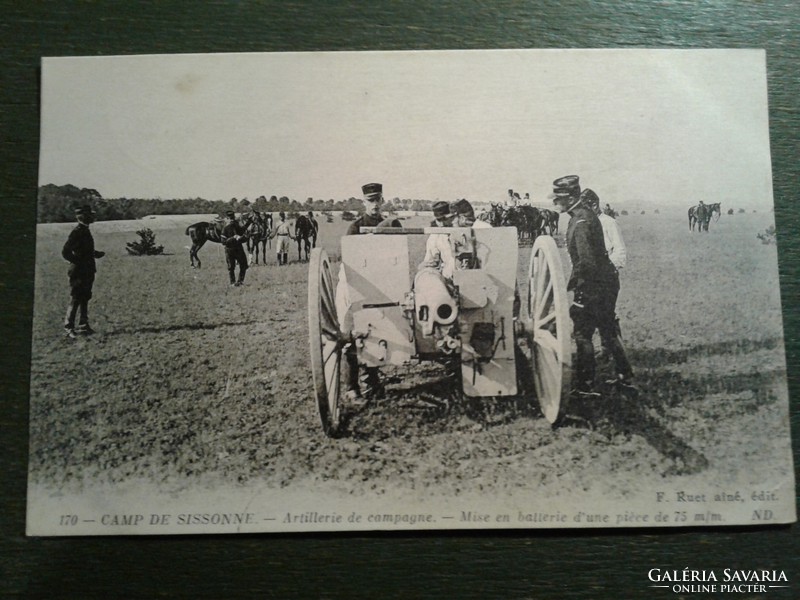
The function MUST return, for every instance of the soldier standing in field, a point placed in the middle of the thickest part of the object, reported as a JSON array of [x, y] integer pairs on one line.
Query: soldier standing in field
[[233, 237], [617, 254], [79, 251], [283, 234], [595, 285]]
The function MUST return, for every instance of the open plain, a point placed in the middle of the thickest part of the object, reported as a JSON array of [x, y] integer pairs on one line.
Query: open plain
[[192, 385]]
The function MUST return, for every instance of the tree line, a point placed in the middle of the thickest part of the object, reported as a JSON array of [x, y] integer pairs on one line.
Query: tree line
[[57, 204]]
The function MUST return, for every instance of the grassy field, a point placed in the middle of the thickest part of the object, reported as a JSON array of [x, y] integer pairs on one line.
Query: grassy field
[[192, 383]]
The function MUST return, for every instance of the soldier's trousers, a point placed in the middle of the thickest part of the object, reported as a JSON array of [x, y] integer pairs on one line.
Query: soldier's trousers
[[234, 256], [81, 281], [595, 311]]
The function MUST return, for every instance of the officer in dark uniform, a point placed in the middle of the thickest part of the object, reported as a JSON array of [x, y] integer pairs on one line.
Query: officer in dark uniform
[[595, 285], [233, 237], [373, 202], [79, 251]]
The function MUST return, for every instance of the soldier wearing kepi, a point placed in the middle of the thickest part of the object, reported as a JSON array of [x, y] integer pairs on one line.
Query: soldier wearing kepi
[[79, 251], [595, 286], [233, 237], [373, 202], [367, 385]]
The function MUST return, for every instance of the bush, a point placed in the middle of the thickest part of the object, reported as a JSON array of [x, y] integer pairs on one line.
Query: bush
[[348, 216], [146, 246]]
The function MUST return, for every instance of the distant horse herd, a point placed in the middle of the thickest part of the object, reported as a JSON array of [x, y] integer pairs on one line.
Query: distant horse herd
[[701, 215], [259, 232], [530, 221]]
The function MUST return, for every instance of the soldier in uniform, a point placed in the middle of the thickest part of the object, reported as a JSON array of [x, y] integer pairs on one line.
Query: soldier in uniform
[[284, 234], [233, 237], [595, 285], [617, 254], [79, 251], [366, 385]]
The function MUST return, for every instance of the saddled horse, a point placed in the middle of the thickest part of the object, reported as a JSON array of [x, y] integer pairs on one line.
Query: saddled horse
[[200, 233], [258, 232], [305, 233]]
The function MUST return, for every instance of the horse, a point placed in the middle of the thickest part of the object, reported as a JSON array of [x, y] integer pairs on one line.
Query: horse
[[550, 220], [496, 215], [305, 233], [714, 208], [700, 215], [200, 233], [258, 231]]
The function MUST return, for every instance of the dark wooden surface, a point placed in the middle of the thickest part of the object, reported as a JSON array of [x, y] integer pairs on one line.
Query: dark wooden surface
[[504, 565]]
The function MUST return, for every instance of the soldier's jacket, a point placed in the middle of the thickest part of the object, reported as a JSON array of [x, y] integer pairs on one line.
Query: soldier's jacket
[[229, 231], [591, 268], [79, 250], [364, 220]]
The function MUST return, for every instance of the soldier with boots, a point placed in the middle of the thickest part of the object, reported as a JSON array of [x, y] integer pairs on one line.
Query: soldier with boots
[[284, 234], [233, 237], [79, 251], [595, 285]]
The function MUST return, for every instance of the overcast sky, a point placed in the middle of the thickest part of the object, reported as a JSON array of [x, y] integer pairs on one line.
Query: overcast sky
[[668, 127]]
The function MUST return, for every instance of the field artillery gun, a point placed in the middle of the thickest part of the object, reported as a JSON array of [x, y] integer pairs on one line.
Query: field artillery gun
[[395, 314]]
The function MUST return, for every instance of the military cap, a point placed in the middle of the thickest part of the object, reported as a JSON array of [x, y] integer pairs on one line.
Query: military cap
[[564, 187], [441, 209], [372, 191], [590, 198], [230, 214], [84, 210], [463, 207]]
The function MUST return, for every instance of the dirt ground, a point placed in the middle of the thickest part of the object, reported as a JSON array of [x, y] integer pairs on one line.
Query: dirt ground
[[191, 383]]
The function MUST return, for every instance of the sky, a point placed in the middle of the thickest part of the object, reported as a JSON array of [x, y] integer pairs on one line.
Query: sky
[[641, 127]]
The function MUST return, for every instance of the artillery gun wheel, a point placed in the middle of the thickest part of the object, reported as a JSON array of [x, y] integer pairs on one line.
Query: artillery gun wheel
[[549, 328], [325, 340]]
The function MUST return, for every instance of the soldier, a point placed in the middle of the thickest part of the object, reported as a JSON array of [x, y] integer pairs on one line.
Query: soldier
[[595, 285], [617, 254], [465, 216], [438, 253], [373, 202], [284, 234], [233, 237], [79, 251], [367, 385]]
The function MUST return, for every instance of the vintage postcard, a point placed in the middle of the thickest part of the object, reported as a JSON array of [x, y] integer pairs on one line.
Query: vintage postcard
[[406, 290]]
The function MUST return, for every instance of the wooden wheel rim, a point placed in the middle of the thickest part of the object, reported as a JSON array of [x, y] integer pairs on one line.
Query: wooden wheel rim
[[324, 340], [548, 312]]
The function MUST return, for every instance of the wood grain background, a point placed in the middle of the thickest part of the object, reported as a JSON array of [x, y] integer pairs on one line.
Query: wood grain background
[[471, 565]]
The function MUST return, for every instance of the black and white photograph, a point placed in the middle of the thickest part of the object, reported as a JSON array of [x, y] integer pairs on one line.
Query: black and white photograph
[[409, 290]]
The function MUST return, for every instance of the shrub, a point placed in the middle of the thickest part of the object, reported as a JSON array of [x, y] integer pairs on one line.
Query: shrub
[[146, 245], [348, 216]]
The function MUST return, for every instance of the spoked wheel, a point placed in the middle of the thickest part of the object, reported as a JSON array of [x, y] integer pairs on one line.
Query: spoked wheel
[[550, 328], [325, 340]]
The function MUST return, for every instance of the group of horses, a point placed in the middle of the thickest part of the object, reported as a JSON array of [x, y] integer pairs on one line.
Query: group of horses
[[701, 215], [530, 221], [258, 228]]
